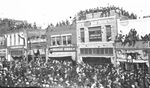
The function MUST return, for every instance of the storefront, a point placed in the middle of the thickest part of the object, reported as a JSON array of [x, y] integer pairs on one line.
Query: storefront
[[36, 50], [36, 46], [61, 42], [95, 39], [133, 57], [97, 55], [16, 53], [63, 53]]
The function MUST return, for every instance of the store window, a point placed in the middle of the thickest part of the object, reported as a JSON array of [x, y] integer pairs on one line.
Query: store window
[[97, 51], [82, 35], [102, 51], [108, 32], [110, 50], [82, 51], [10, 40], [58, 40], [94, 50], [95, 34], [90, 50], [14, 39], [106, 51], [69, 39], [2, 40], [64, 40], [86, 51], [53, 41]]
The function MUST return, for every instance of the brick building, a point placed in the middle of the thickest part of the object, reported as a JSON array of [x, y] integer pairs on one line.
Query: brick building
[[95, 38], [37, 44], [62, 42], [131, 56]]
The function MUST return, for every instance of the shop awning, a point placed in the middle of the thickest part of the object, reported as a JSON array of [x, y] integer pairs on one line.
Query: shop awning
[[63, 54]]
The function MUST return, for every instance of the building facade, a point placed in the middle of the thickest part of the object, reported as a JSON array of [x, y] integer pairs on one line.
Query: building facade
[[140, 25], [16, 44], [62, 42], [138, 53], [3, 47], [13, 38], [133, 57], [37, 44], [95, 38]]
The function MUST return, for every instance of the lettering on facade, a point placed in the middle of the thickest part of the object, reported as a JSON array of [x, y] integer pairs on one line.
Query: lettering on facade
[[16, 52], [17, 47], [37, 40], [2, 50], [134, 54], [124, 23], [37, 45], [62, 49]]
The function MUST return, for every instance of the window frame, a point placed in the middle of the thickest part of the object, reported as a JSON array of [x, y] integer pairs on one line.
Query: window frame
[[110, 31], [95, 31], [82, 30]]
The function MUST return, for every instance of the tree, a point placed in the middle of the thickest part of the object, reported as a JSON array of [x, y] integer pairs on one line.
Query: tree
[[60, 24], [57, 25], [63, 23], [67, 22], [34, 26]]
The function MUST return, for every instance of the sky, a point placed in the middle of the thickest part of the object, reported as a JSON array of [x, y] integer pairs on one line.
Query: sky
[[44, 12]]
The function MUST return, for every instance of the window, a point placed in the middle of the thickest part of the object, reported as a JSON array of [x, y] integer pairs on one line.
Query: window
[[53, 41], [90, 50], [106, 51], [64, 40], [86, 51], [95, 34], [94, 51], [82, 35], [82, 51], [97, 51], [69, 39], [10, 40], [110, 50], [18, 39], [102, 50], [2, 40], [58, 40], [14, 39], [108, 32]]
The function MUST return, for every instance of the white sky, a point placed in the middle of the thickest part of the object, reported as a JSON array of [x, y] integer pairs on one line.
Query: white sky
[[44, 12]]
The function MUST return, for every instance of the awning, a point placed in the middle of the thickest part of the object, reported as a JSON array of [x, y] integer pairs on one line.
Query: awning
[[63, 54]]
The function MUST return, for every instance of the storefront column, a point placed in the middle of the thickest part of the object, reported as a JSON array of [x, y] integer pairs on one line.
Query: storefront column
[[149, 61]]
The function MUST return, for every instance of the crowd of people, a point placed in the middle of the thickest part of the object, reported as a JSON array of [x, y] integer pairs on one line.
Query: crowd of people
[[11, 24], [105, 12], [68, 74], [132, 37]]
